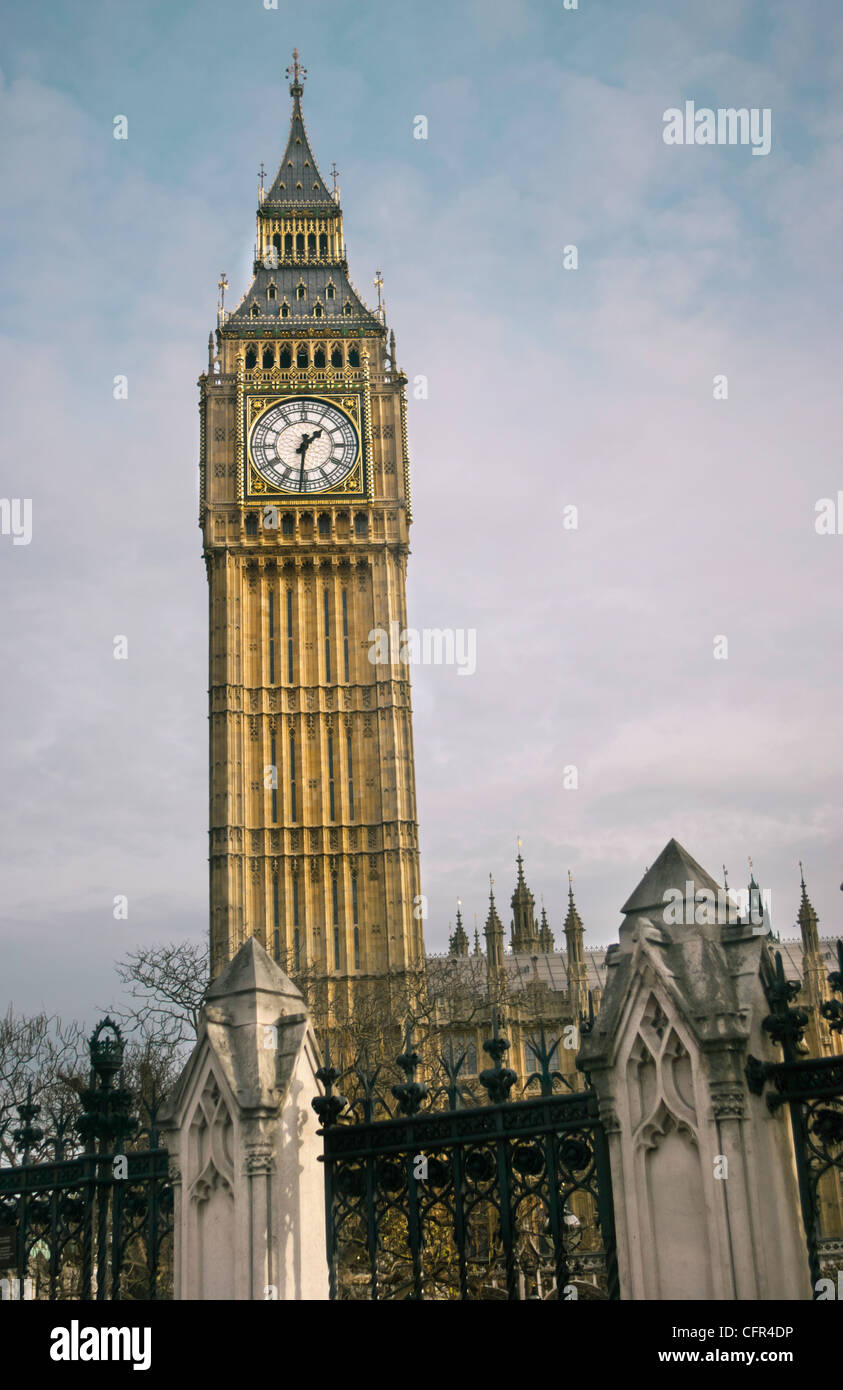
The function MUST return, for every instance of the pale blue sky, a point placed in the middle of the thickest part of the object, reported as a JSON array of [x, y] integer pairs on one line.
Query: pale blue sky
[[547, 388]]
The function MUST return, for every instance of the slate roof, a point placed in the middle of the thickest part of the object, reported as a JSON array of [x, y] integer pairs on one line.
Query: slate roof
[[298, 167], [551, 967], [316, 279]]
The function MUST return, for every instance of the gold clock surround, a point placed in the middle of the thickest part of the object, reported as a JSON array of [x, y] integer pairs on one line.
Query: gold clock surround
[[349, 390]]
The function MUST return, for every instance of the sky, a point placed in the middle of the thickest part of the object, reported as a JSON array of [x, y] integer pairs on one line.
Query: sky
[[599, 648]]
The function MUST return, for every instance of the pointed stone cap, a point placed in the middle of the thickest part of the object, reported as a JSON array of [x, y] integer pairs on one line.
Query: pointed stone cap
[[671, 872], [573, 921], [252, 971]]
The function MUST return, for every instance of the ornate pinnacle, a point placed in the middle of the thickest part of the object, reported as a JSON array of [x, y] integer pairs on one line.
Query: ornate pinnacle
[[296, 75]]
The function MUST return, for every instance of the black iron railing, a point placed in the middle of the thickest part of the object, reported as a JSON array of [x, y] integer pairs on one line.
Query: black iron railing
[[812, 1089], [446, 1200], [98, 1225]]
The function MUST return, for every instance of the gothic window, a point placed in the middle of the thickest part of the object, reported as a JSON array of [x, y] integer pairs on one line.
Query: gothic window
[[285, 310], [361, 524], [346, 308], [288, 244], [356, 948], [301, 355], [353, 357], [255, 311], [276, 241], [272, 292], [298, 186], [327, 613], [251, 525], [311, 244], [300, 243], [301, 290], [271, 626], [317, 311], [297, 949], [323, 239], [288, 524], [465, 1043], [336, 355], [345, 665], [290, 633], [274, 790], [331, 291], [350, 761], [319, 357], [251, 357], [285, 358], [325, 526], [293, 786], [336, 945], [268, 358]]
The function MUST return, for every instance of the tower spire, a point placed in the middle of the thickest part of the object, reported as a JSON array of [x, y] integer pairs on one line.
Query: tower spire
[[758, 914], [493, 932], [545, 934], [460, 938], [577, 969], [807, 919], [525, 928]]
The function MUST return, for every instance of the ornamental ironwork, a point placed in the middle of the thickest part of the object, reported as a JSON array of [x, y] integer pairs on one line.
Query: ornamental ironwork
[[431, 1195], [98, 1225], [812, 1089]]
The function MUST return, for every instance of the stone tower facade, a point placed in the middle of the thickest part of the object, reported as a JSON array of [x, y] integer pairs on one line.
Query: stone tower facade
[[305, 514]]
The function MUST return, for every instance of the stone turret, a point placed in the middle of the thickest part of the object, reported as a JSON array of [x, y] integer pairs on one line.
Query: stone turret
[[493, 933], [815, 988], [459, 940], [546, 941], [577, 969], [525, 928]]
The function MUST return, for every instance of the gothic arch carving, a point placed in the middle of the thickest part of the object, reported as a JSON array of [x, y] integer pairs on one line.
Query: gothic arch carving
[[211, 1144], [659, 1125], [660, 1079]]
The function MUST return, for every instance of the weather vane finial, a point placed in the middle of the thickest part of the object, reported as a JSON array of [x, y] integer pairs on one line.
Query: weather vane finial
[[379, 287], [296, 73]]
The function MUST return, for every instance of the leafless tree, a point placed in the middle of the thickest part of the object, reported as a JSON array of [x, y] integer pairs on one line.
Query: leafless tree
[[36, 1054]]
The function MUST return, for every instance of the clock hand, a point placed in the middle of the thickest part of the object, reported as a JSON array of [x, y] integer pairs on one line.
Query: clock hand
[[306, 441]]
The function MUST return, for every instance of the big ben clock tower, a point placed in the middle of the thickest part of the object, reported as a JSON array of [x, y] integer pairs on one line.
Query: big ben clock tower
[[305, 511]]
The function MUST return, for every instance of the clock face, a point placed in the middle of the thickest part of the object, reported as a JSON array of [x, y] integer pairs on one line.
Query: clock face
[[304, 445]]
